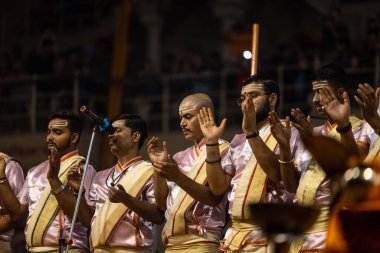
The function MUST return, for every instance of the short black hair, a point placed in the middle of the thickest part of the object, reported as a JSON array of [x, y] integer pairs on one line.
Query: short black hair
[[333, 74], [135, 123], [74, 122], [270, 86]]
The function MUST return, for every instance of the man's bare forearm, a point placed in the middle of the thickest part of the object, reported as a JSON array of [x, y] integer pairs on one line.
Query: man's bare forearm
[[5, 223], [146, 210], [67, 202], [289, 174], [217, 179], [16, 211], [267, 159], [199, 192], [161, 191]]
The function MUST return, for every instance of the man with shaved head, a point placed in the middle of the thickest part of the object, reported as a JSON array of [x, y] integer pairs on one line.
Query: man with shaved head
[[195, 216], [46, 197]]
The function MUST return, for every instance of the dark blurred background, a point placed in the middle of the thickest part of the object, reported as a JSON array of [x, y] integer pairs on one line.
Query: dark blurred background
[[144, 56]]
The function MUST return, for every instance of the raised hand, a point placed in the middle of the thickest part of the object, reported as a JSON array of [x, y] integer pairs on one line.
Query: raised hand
[[168, 170], [280, 132], [117, 194], [336, 111], [249, 116], [303, 123], [210, 130], [157, 153], [54, 163], [74, 177], [368, 100]]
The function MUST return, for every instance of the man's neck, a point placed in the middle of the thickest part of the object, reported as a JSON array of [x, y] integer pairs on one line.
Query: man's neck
[[123, 159], [67, 152]]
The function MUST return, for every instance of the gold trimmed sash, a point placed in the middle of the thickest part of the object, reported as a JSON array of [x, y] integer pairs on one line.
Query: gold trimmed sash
[[250, 189], [54, 250], [309, 184], [47, 207], [374, 153], [6, 157], [176, 222], [355, 122], [306, 196], [111, 213]]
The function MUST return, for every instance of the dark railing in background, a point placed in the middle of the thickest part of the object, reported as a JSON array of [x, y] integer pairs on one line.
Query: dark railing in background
[[26, 102]]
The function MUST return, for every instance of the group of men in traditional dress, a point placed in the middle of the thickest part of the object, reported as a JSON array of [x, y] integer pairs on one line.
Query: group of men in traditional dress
[[202, 194]]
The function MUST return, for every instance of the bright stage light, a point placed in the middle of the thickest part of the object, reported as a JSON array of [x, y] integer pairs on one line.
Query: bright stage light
[[247, 54]]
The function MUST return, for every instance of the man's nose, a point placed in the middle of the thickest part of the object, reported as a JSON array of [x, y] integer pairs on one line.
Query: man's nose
[[182, 122], [316, 97]]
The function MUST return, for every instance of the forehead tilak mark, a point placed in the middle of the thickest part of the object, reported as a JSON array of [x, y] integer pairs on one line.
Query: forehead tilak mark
[[186, 109], [252, 86], [319, 84], [58, 123]]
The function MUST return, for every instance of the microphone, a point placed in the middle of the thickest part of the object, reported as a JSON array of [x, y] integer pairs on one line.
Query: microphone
[[103, 124]]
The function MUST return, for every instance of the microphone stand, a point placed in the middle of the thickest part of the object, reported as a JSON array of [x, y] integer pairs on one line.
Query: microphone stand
[[69, 241]]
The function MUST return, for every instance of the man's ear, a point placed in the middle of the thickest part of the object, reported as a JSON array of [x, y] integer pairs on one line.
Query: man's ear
[[273, 101], [75, 138], [136, 136], [339, 93]]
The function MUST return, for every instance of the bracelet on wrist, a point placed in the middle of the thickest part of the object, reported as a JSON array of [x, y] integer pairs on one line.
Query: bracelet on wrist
[[58, 190], [344, 129], [252, 135], [286, 162], [216, 161], [212, 144]]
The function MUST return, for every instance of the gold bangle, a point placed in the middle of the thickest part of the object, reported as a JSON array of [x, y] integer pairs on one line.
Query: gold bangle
[[286, 162]]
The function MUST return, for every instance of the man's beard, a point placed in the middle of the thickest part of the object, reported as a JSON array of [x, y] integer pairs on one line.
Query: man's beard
[[65, 147], [263, 113]]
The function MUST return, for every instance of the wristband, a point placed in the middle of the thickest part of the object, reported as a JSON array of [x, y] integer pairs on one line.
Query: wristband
[[216, 161], [344, 129], [286, 162], [252, 135], [212, 144], [57, 191]]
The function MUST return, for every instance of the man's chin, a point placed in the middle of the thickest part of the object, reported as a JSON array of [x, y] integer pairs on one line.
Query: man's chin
[[321, 112], [187, 136], [113, 150]]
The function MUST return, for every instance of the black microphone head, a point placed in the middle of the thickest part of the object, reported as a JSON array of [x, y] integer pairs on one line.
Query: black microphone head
[[113, 184]]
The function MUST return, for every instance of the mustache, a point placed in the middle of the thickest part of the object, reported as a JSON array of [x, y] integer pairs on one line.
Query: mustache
[[112, 141]]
